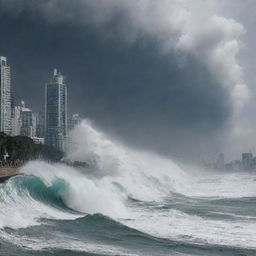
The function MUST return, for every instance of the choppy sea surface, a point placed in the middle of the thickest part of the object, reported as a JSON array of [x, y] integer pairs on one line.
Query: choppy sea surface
[[127, 203]]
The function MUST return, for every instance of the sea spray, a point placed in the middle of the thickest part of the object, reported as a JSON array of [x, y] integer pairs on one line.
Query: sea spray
[[81, 193], [143, 175], [55, 207], [22, 204], [116, 173]]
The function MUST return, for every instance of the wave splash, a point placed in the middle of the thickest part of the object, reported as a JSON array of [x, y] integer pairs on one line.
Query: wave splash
[[123, 192], [116, 174]]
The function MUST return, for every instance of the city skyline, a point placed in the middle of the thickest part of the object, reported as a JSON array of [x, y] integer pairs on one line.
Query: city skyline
[[50, 126], [26, 122], [132, 77]]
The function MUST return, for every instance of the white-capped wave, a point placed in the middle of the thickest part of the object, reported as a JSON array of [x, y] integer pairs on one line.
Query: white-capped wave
[[115, 174], [18, 209]]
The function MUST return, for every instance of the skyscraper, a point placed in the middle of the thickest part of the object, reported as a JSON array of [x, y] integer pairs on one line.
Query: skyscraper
[[5, 97], [56, 112]]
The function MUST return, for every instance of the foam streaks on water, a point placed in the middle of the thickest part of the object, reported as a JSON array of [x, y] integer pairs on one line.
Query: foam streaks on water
[[128, 202]]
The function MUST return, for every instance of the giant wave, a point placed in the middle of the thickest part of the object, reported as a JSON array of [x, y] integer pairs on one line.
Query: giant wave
[[126, 195]]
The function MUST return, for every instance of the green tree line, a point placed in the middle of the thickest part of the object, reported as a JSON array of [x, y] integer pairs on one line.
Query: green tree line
[[23, 148]]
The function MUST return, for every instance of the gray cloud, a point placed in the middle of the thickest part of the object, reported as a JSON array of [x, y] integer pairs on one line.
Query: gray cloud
[[162, 74], [175, 25]]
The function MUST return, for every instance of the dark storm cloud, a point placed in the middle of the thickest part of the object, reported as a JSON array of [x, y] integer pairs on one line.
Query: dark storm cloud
[[167, 100]]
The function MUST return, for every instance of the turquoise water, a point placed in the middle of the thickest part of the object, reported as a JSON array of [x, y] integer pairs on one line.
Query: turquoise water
[[176, 225], [129, 202]]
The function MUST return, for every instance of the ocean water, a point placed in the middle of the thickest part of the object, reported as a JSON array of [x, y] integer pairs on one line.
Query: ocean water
[[128, 202]]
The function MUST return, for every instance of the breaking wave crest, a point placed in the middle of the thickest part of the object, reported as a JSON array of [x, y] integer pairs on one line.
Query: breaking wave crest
[[125, 195], [116, 173]]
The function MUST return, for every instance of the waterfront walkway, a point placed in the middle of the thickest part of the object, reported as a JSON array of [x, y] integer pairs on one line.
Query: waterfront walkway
[[9, 167]]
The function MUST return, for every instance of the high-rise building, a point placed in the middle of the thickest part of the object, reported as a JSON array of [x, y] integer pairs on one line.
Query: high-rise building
[[5, 97], [56, 112]]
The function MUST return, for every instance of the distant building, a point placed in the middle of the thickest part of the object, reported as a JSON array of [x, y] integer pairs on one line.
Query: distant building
[[37, 140], [220, 164], [40, 124], [23, 121], [5, 96], [16, 120], [247, 161], [28, 121], [233, 166], [56, 112], [73, 121]]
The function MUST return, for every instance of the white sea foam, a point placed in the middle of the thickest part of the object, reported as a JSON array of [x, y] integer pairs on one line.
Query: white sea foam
[[56, 242], [18, 209], [81, 193], [224, 185], [143, 175], [118, 172], [179, 226]]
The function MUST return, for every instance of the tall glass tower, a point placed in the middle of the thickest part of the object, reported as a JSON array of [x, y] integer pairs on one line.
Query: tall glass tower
[[5, 97], [56, 112]]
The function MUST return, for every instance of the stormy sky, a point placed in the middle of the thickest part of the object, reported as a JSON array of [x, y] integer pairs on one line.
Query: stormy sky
[[175, 76]]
